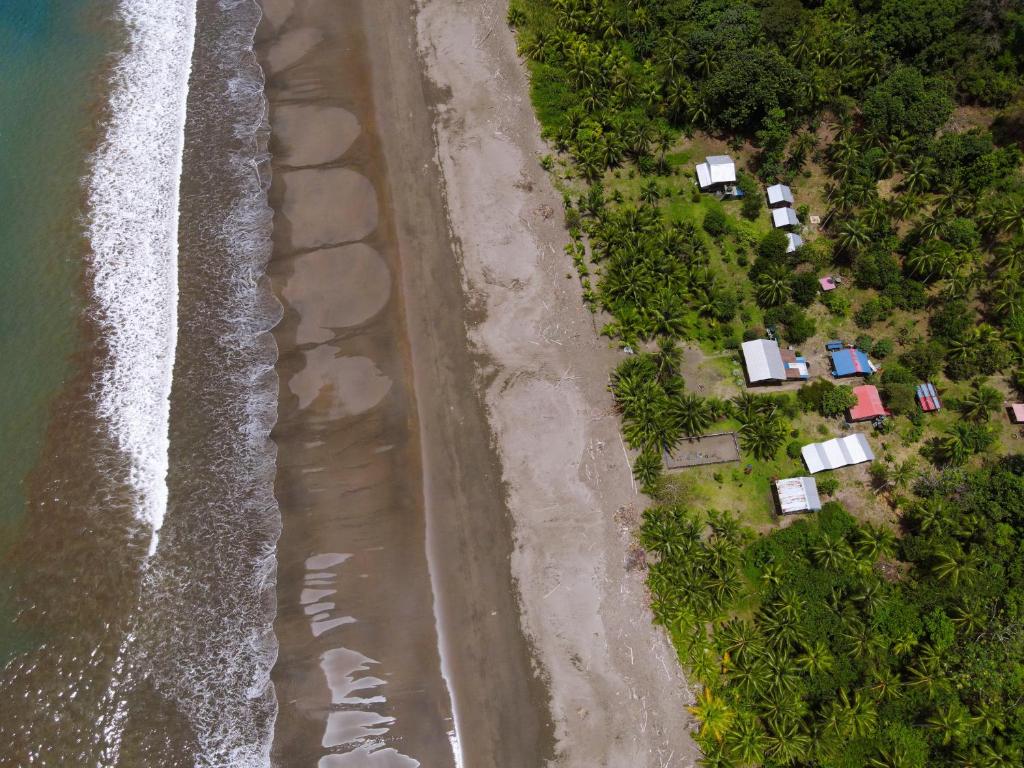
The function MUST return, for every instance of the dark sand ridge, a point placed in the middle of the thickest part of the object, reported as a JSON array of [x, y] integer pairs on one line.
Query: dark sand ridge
[[370, 475]]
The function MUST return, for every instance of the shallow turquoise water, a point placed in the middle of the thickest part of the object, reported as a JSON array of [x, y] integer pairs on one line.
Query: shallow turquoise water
[[51, 77]]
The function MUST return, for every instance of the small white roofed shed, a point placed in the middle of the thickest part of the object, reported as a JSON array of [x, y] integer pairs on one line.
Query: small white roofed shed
[[784, 217], [780, 194], [839, 452], [716, 170], [794, 242], [798, 494], [763, 359]]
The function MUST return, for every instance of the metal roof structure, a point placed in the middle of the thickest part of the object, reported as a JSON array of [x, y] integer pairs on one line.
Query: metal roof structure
[[780, 193], [784, 217], [763, 360], [851, 362], [869, 404], [838, 452], [716, 169], [928, 398], [795, 241], [1017, 413], [798, 494]]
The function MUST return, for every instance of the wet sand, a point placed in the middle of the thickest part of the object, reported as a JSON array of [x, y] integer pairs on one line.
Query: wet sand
[[380, 462]]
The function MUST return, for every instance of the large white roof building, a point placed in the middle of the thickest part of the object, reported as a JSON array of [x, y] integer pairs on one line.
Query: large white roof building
[[763, 359], [839, 452], [716, 170]]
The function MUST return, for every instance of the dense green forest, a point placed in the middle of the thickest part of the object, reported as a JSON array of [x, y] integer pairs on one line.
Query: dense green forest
[[833, 641]]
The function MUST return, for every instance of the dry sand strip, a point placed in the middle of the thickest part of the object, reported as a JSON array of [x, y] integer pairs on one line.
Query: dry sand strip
[[618, 697]]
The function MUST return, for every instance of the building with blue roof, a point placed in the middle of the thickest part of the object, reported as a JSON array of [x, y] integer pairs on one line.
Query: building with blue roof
[[851, 362]]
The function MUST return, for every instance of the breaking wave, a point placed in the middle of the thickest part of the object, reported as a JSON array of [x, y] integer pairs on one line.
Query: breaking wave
[[133, 230]]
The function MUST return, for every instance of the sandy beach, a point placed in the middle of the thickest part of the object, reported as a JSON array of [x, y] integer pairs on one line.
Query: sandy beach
[[617, 695], [456, 503]]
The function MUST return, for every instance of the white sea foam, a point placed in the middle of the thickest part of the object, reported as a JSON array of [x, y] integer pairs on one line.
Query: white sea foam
[[133, 229]]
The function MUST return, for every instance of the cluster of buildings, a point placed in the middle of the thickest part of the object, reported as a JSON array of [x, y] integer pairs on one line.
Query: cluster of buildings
[[717, 176], [766, 363]]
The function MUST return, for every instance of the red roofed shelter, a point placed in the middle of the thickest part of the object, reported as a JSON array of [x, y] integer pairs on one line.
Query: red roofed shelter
[[869, 404]]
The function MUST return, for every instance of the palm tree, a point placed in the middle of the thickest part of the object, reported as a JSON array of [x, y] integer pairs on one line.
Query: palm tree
[[816, 658], [968, 617], [981, 402], [763, 436], [952, 567], [788, 744], [904, 205], [885, 684], [919, 174], [951, 722], [773, 288], [1011, 257], [876, 541], [831, 551], [748, 742], [649, 193], [854, 235], [1010, 217], [957, 445], [714, 714]]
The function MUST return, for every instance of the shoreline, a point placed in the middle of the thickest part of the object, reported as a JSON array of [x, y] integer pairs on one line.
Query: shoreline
[[366, 465], [510, 466]]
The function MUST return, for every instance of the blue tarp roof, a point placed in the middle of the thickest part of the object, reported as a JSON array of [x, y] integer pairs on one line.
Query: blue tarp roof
[[851, 362]]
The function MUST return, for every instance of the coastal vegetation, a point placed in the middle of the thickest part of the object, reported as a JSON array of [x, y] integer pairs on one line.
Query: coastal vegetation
[[884, 630]]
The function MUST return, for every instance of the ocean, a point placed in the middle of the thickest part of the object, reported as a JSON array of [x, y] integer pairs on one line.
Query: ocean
[[138, 516]]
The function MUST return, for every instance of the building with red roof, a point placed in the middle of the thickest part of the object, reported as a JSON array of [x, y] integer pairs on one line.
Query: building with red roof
[[869, 404]]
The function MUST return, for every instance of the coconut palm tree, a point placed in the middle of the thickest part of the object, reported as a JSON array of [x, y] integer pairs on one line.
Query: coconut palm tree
[[831, 551], [816, 658], [773, 288], [649, 193], [1010, 217], [919, 175], [788, 744], [952, 567], [853, 235], [957, 444], [748, 741], [763, 436], [715, 715], [877, 541], [951, 721], [981, 402]]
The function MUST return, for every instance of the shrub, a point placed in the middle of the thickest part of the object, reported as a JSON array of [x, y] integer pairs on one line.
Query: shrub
[[773, 246], [865, 342], [828, 484], [883, 348], [793, 449], [805, 289], [715, 222], [837, 400], [837, 303]]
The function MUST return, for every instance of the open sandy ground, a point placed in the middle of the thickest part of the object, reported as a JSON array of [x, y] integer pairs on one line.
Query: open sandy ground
[[618, 697]]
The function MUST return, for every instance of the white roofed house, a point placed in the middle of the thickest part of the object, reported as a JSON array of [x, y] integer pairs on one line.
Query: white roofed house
[[793, 242], [716, 174], [838, 452], [779, 196], [784, 217], [763, 360]]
